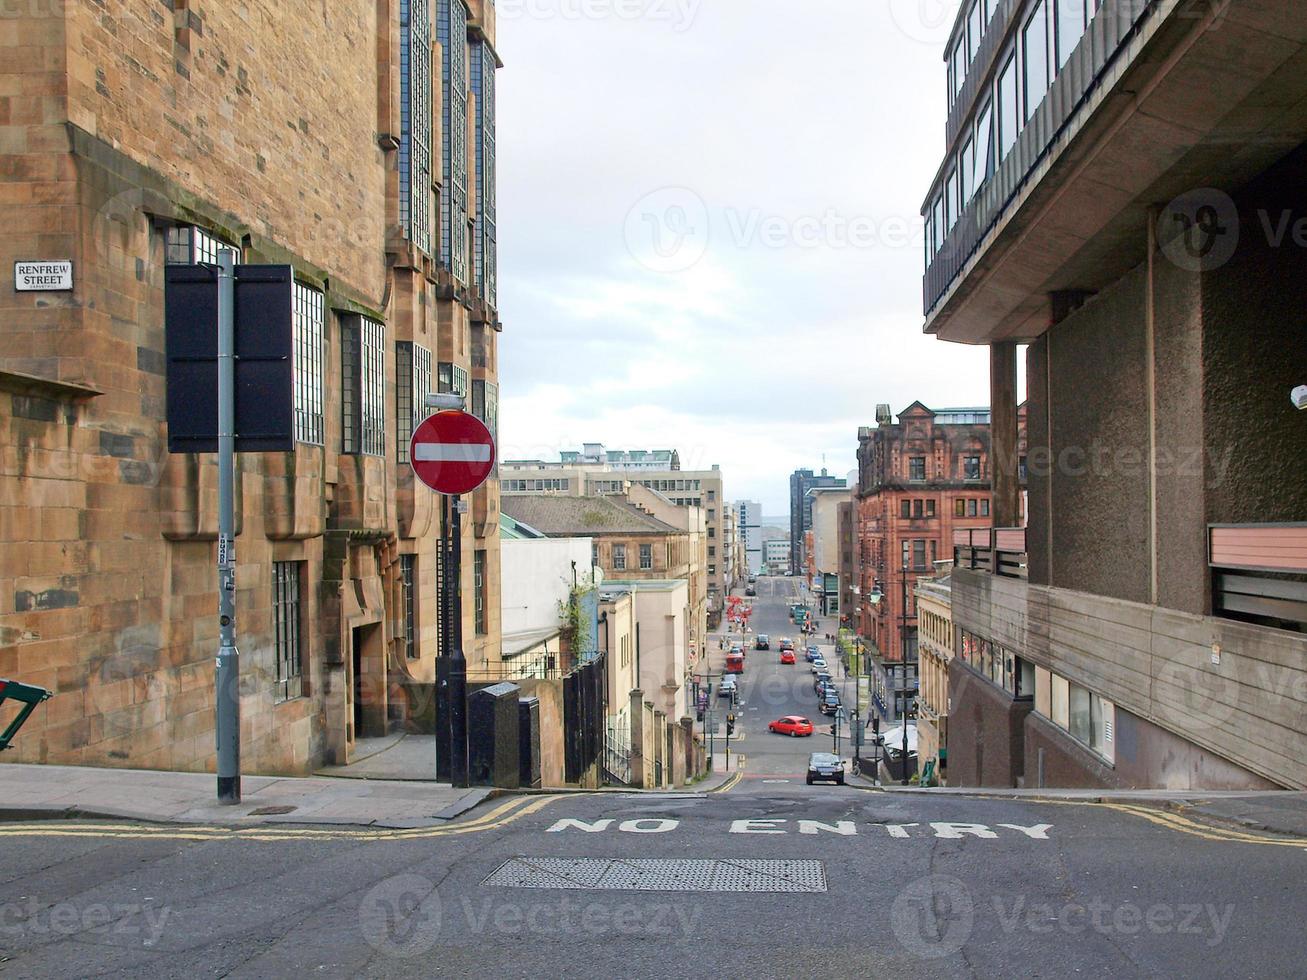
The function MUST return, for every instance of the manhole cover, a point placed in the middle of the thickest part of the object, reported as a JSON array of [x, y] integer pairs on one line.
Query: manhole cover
[[662, 875], [271, 811]]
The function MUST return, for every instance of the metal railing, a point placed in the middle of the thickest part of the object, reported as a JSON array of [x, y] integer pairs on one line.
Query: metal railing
[[999, 551], [1259, 573]]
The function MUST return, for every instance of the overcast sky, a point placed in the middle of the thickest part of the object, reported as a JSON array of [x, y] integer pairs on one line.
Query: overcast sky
[[709, 229]]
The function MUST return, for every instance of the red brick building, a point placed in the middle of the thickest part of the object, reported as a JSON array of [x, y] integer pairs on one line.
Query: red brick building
[[918, 481]]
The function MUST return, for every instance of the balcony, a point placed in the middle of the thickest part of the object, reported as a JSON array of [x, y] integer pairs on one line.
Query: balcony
[[997, 550], [1259, 573], [1149, 83]]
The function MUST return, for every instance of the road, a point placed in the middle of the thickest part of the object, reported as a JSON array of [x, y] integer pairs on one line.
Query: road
[[767, 879]]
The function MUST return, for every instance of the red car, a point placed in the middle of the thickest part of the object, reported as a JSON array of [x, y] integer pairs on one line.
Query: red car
[[794, 725], [787, 656]]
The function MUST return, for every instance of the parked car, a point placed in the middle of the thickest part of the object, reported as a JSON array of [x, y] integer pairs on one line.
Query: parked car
[[787, 656], [825, 767], [819, 664], [830, 701], [787, 643], [811, 654], [750, 590], [793, 725], [727, 687], [823, 679], [763, 642]]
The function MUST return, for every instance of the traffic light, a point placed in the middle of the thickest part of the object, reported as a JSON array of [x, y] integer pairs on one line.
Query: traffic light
[[730, 724]]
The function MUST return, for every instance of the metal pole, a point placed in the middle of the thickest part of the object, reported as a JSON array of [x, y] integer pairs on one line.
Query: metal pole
[[458, 769], [227, 707], [903, 656]]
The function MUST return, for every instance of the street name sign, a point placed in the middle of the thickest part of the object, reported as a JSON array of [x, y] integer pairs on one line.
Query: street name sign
[[452, 452], [43, 277]]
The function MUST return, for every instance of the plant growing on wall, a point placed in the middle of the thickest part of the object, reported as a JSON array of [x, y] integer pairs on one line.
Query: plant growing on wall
[[576, 616]]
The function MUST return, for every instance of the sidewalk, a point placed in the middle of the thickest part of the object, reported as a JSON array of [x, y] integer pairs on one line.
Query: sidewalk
[[1272, 811], [39, 792]]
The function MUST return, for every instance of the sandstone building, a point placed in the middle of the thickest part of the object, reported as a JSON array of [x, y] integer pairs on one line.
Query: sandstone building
[[354, 142]]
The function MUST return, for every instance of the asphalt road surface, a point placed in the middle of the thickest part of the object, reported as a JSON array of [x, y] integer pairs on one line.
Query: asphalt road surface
[[767, 879]]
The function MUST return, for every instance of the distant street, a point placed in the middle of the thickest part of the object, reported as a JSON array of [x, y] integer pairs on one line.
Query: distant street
[[770, 878]]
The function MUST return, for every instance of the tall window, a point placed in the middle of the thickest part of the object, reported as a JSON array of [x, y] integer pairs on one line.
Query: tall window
[[1070, 27], [452, 33], [415, 82], [1008, 110], [646, 557], [966, 173], [363, 385], [960, 507], [930, 508], [479, 585], [308, 314], [950, 201], [918, 508], [619, 557], [408, 603], [919, 553], [917, 468], [905, 508], [412, 385], [485, 405], [452, 379], [937, 222], [485, 236], [984, 146], [190, 245], [286, 629], [971, 467], [974, 29], [958, 63], [1034, 50]]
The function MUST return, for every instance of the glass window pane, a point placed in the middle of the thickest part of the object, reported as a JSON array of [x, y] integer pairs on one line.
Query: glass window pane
[[966, 168], [1008, 110], [959, 65], [984, 146], [1061, 699], [974, 29], [1034, 40], [951, 200], [1078, 714], [1070, 28]]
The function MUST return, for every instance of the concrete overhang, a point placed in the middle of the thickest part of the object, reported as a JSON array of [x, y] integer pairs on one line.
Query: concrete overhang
[[1194, 102]]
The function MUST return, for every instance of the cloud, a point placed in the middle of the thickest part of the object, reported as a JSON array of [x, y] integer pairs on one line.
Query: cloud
[[709, 232]]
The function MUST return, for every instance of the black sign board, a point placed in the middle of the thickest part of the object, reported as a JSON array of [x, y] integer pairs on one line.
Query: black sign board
[[264, 358]]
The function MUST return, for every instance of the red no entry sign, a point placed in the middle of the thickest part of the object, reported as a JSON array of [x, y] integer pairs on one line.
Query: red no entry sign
[[452, 452]]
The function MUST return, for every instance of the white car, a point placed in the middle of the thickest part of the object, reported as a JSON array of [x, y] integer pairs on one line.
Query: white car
[[819, 665]]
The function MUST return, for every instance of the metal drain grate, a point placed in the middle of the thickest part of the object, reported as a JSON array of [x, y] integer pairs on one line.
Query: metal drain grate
[[660, 875]]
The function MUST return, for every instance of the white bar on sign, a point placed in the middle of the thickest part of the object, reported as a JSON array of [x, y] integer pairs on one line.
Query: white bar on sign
[[442, 452]]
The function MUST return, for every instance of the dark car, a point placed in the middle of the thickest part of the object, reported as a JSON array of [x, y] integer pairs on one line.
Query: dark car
[[822, 680], [762, 642], [825, 767], [750, 590], [830, 702]]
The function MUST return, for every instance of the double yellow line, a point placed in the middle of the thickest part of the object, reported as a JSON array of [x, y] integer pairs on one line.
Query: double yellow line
[[500, 816]]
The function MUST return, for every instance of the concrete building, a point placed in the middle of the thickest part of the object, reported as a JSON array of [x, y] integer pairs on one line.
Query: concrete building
[[824, 557], [1149, 628], [137, 135], [750, 522], [918, 480], [588, 473], [640, 536], [776, 553], [594, 454], [935, 653], [801, 481], [847, 525], [539, 573], [662, 641]]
